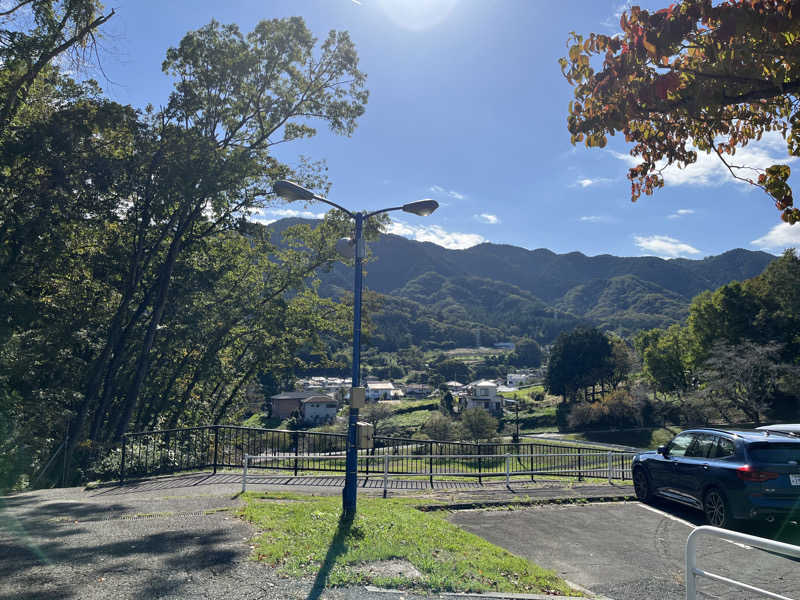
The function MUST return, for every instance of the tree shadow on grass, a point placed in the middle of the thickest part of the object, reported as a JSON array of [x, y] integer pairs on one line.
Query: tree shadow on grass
[[337, 548]]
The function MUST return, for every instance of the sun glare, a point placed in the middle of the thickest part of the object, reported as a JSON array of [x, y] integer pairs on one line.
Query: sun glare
[[417, 15]]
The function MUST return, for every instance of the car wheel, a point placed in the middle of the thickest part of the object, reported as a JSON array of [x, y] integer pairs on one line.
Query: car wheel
[[716, 508], [641, 485]]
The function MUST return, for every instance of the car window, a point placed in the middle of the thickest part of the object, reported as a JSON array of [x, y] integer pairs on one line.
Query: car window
[[775, 453], [723, 448], [701, 446], [681, 443]]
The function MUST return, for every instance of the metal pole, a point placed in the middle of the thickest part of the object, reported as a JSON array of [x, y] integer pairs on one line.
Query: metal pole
[[351, 462], [385, 472], [216, 445], [244, 472], [609, 467], [66, 453], [508, 470], [122, 464]]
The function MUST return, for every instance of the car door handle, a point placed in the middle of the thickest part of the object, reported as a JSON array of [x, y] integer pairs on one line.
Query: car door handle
[[706, 466]]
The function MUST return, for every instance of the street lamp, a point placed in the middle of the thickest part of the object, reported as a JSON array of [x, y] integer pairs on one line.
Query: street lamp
[[293, 191]]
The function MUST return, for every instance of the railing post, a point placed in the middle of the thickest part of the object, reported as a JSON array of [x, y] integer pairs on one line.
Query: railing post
[[691, 576], [530, 451], [296, 440], [244, 472], [480, 479], [610, 466], [216, 446], [385, 472], [122, 464], [580, 464], [430, 463], [508, 470]]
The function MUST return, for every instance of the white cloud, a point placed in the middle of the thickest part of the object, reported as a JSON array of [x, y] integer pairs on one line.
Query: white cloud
[[779, 238], [437, 189], [586, 182], [434, 233], [597, 219], [487, 218], [681, 212], [613, 22], [664, 246], [709, 170]]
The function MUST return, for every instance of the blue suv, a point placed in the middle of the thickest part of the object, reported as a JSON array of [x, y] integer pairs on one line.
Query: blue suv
[[727, 474]]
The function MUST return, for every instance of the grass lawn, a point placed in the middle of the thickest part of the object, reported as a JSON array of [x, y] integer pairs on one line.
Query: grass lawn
[[303, 536]]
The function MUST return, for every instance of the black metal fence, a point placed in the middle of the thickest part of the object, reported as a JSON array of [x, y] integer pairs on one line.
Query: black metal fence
[[225, 446]]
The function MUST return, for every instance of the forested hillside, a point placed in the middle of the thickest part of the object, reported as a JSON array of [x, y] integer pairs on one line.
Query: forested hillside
[[430, 296]]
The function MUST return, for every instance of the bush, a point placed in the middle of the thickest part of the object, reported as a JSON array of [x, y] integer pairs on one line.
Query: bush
[[617, 410]]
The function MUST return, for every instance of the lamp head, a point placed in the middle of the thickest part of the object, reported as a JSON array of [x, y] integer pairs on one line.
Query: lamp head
[[292, 191], [421, 208]]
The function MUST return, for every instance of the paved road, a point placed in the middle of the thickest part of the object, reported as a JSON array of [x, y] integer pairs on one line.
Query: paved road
[[165, 538], [630, 551]]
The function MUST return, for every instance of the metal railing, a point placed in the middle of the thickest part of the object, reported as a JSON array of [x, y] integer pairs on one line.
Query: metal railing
[[224, 447], [452, 461], [692, 572]]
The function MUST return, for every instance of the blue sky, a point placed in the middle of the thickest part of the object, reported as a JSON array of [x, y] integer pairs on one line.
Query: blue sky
[[468, 106]]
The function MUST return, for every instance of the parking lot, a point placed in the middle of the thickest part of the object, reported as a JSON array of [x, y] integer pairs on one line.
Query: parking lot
[[631, 551]]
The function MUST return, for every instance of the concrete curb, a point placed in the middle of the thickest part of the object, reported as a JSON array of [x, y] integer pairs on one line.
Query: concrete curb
[[493, 595], [571, 499]]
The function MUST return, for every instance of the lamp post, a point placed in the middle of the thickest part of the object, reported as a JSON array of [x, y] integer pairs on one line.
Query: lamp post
[[423, 208]]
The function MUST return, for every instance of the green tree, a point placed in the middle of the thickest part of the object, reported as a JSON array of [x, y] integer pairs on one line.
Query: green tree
[[579, 359], [148, 299], [742, 378], [451, 369], [527, 353], [439, 427], [697, 76], [666, 363], [32, 35], [478, 424]]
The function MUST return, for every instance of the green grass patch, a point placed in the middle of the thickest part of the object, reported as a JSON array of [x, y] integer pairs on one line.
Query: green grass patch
[[307, 537], [262, 421], [523, 393]]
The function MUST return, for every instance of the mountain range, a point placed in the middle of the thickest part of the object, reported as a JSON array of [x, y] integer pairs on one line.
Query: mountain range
[[428, 295]]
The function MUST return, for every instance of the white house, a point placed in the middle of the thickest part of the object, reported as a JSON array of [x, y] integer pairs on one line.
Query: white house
[[518, 379], [317, 410], [455, 387], [380, 390], [483, 394]]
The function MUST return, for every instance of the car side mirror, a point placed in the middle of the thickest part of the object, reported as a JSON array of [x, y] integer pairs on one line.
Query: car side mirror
[[662, 450]]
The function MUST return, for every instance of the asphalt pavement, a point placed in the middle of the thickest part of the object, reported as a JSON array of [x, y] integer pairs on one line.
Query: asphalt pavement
[[176, 537], [632, 551]]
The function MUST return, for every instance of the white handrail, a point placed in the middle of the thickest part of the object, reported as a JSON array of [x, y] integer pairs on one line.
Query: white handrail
[[692, 572]]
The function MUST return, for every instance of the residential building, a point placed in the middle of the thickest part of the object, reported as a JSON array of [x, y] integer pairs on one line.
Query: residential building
[[285, 403], [483, 394], [318, 410], [418, 390], [455, 387], [518, 379], [380, 390]]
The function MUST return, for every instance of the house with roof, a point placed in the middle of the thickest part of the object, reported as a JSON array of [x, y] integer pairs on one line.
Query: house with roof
[[483, 394], [285, 403], [318, 410], [380, 390], [418, 390]]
